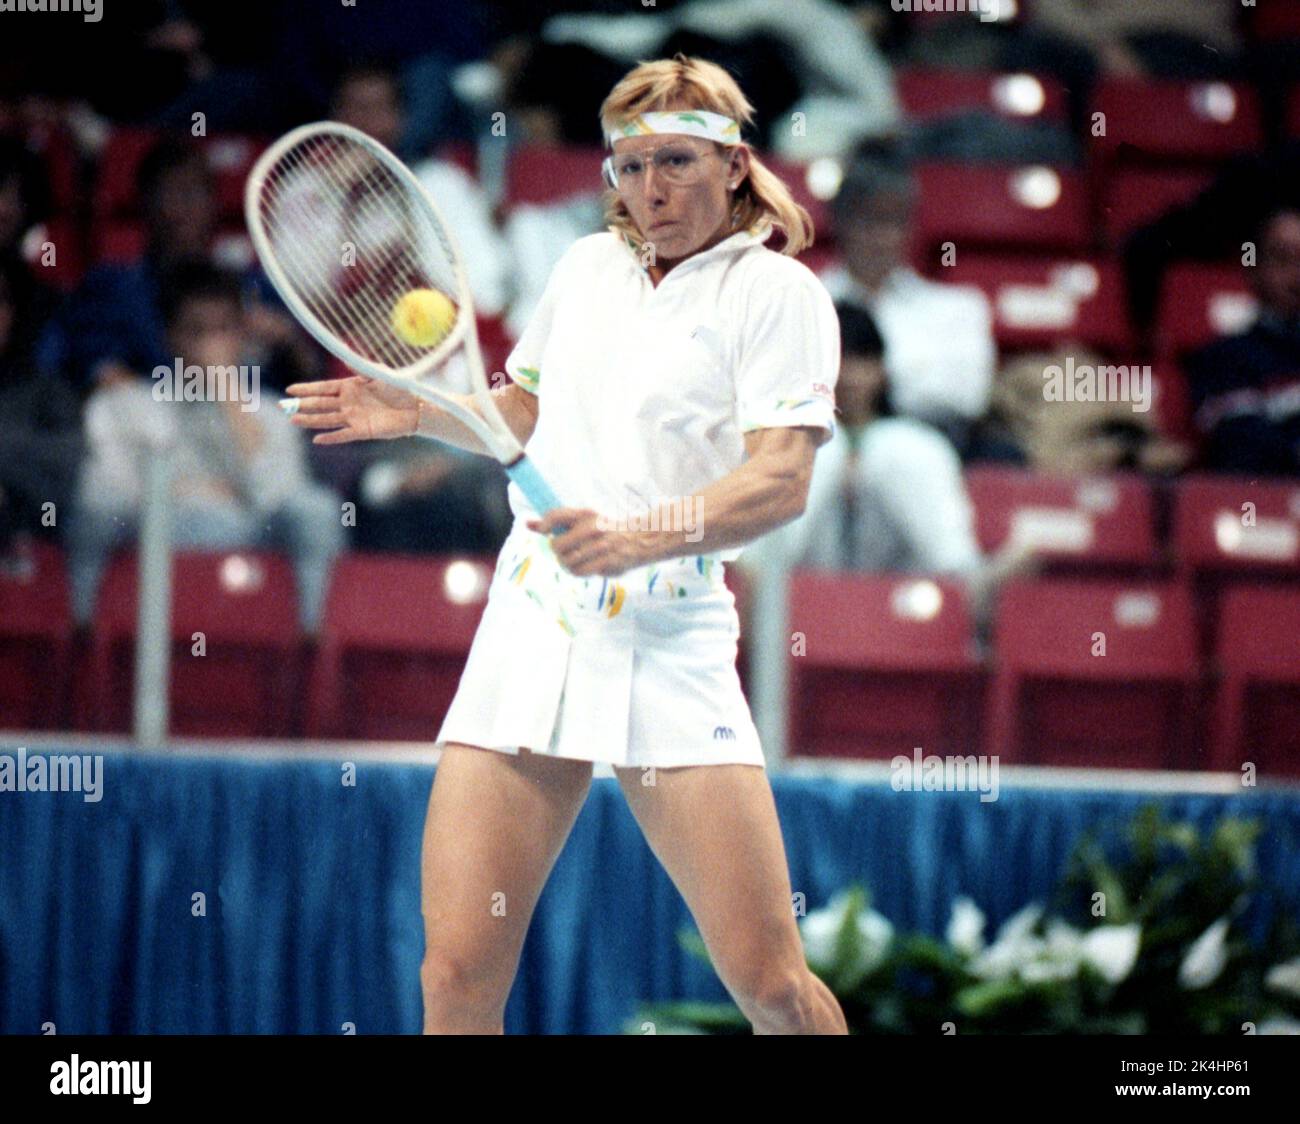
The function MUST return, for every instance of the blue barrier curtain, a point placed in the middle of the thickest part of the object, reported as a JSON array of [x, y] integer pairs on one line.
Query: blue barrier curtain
[[267, 896]]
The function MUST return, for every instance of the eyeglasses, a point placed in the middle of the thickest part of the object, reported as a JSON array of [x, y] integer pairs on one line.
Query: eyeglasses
[[677, 163]]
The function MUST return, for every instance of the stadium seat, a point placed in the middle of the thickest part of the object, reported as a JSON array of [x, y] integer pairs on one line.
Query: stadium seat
[[1133, 197], [1230, 531], [1102, 524], [1094, 674], [1270, 22], [1040, 302], [929, 92], [243, 682], [1257, 658], [1173, 407], [1033, 207], [1199, 303], [541, 174], [119, 165], [1169, 120], [888, 664], [393, 644], [35, 638], [1238, 527]]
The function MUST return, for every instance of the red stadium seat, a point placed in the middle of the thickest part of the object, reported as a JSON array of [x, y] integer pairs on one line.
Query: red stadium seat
[[1199, 303], [1090, 524], [1094, 674], [1170, 120], [393, 645], [888, 665], [1173, 407], [1047, 301], [35, 638], [1274, 21], [119, 164], [1238, 526], [927, 92], [244, 681], [551, 174], [1133, 197], [1230, 529], [1257, 707], [1034, 207]]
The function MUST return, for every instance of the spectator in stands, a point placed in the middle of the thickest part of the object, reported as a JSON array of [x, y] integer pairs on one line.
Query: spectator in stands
[[240, 476], [1246, 389], [1071, 436], [1158, 38], [1213, 226], [809, 57], [111, 329], [40, 422], [887, 492], [939, 347], [369, 98], [24, 196]]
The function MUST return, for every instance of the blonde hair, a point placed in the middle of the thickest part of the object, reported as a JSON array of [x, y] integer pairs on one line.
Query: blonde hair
[[761, 198]]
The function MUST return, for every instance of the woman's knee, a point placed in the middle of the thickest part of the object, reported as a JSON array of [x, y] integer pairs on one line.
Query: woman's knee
[[451, 978]]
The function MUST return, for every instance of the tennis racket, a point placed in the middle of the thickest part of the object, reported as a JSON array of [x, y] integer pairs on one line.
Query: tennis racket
[[345, 231]]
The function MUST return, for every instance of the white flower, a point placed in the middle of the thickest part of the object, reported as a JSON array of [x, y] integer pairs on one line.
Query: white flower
[[1112, 950], [1047, 969], [966, 927], [1285, 977], [1014, 946], [821, 927], [1205, 958]]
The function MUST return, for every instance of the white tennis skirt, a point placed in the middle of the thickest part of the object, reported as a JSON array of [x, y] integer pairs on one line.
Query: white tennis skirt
[[638, 670]]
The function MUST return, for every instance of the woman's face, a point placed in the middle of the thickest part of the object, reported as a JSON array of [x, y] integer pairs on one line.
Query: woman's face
[[677, 190]]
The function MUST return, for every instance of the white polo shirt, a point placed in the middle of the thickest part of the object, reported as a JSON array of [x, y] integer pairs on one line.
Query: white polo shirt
[[645, 392]]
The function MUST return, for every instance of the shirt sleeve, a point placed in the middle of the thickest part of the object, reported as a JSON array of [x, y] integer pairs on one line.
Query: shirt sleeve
[[524, 363], [789, 359]]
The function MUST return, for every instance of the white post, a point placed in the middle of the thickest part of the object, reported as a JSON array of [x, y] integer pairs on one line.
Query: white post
[[153, 608]]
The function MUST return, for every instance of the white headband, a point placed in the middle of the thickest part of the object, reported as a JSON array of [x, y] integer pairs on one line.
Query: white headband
[[692, 122]]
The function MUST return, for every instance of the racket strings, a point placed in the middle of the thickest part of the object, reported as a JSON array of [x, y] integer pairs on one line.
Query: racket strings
[[352, 307], [330, 186]]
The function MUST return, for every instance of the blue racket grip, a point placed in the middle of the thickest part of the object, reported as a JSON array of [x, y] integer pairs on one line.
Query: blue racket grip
[[536, 490]]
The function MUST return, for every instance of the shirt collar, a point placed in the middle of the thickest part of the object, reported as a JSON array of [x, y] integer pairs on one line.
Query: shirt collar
[[733, 243]]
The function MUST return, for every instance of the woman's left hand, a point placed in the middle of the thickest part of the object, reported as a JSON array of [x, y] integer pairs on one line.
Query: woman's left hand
[[590, 547]]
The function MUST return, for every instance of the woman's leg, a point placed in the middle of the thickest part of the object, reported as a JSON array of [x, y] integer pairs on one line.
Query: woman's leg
[[495, 826], [714, 829]]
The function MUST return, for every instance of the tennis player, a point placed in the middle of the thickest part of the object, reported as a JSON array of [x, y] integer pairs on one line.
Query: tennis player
[[672, 386]]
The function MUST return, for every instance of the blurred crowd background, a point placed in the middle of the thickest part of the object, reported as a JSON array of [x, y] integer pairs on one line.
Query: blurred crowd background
[[1071, 183]]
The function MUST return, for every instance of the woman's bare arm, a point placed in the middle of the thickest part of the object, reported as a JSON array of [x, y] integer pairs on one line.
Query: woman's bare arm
[[768, 490], [363, 409]]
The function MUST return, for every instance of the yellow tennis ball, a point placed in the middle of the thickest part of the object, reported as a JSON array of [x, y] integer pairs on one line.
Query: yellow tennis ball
[[423, 317]]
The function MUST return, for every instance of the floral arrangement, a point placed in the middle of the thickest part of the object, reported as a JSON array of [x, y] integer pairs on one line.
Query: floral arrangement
[[1147, 936]]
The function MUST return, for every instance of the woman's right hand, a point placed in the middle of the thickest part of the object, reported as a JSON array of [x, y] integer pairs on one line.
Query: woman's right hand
[[354, 409]]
